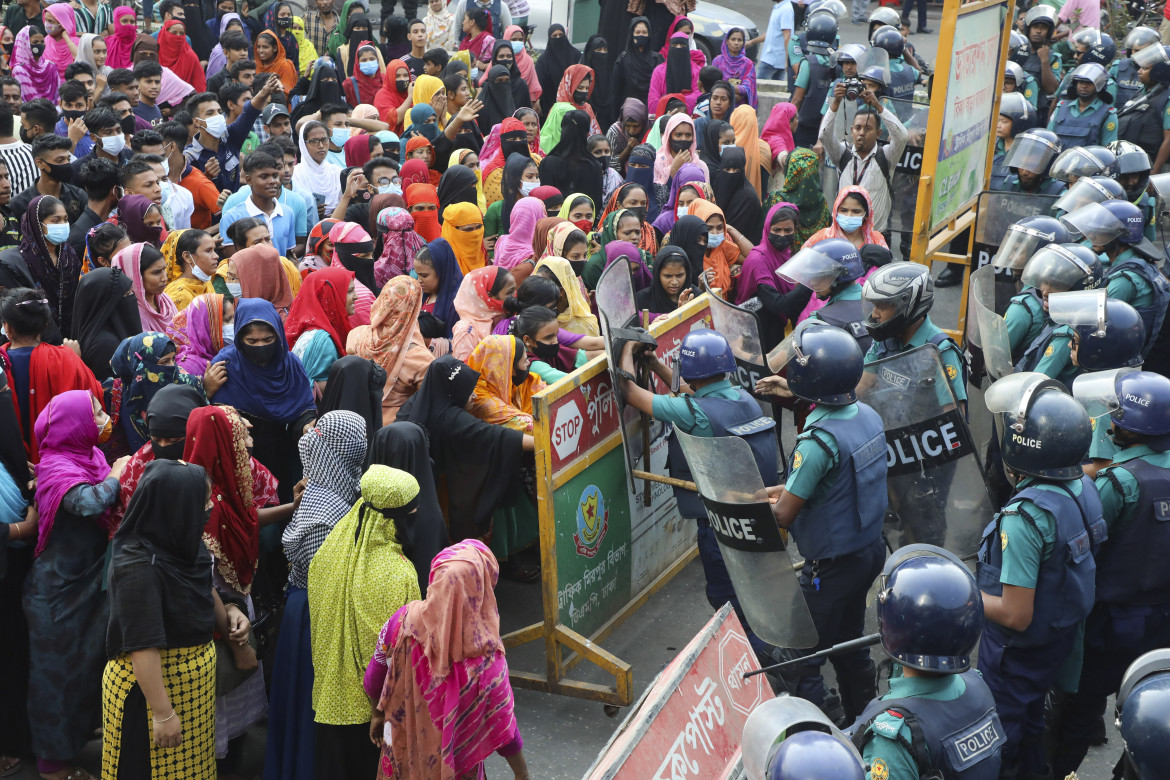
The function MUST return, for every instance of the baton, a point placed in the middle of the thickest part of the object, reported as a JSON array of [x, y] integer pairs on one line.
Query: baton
[[852, 644]]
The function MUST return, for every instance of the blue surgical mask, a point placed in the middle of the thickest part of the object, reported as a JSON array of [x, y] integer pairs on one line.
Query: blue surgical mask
[[849, 224], [475, 74], [198, 273], [526, 187], [229, 332], [165, 189], [235, 289], [57, 234], [369, 67], [517, 47], [390, 189], [682, 211], [715, 239], [339, 136]]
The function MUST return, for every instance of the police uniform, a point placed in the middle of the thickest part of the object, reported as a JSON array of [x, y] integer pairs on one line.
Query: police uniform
[[1033, 67], [816, 76], [1139, 283], [953, 363], [947, 721], [1148, 204], [1024, 319], [717, 409], [1051, 354], [1110, 86], [1125, 73], [839, 468], [1132, 613], [999, 171], [1096, 124], [1144, 119], [1030, 90], [1044, 539], [843, 310]]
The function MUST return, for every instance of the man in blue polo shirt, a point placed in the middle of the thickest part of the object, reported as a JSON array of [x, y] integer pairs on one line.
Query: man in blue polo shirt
[[262, 175]]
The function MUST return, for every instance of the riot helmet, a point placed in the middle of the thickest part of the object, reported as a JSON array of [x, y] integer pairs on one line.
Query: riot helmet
[[929, 610], [1046, 432], [1133, 168], [1033, 151], [1014, 71], [1059, 268], [1109, 332], [1091, 73], [776, 720], [824, 363], [1026, 236], [704, 353], [849, 52], [1157, 59], [1016, 107], [823, 265], [1096, 223], [885, 15], [1132, 217], [1143, 714], [890, 39], [1094, 46], [834, 8], [1041, 14], [821, 32], [1160, 187], [1018, 48], [1089, 189], [1141, 37], [812, 755], [1080, 161], [904, 288], [1138, 401]]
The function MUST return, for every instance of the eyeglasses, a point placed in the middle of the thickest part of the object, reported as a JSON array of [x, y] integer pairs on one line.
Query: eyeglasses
[[316, 141]]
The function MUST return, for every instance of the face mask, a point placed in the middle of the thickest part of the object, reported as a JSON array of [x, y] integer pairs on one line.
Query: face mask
[[260, 355], [197, 272], [526, 187], [127, 124], [7, 47], [780, 243], [519, 377], [105, 429], [390, 189], [546, 352], [580, 95], [285, 23], [639, 212], [401, 85], [339, 136], [173, 451], [217, 126], [640, 41], [229, 332], [849, 224], [369, 67], [725, 147], [52, 29], [715, 239], [678, 146], [69, 116], [62, 173], [681, 211], [517, 46], [37, 50], [235, 289], [604, 160], [165, 189], [24, 136], [57, 234], [475, 74], [113, 144], [166, 164]]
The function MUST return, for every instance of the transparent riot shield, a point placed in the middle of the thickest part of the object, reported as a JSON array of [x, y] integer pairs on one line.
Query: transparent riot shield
[[905, 171], [937, 486], [742, 331], [774, 721], [755, 550], [988, 331], [997, 212]]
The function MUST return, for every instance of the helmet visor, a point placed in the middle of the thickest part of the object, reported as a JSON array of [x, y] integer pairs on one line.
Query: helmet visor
[[1085, 191], [1160, 183], [1018, 246], [1149, 56], [1054, 269], [875, 64], [1082, 307], [789, 348], [1074, 163], [1012, 393], [1097, 390], [1096, 223], [1030, 153], [812, 268]]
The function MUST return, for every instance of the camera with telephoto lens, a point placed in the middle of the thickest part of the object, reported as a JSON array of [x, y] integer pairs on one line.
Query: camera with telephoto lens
[[853, 88]]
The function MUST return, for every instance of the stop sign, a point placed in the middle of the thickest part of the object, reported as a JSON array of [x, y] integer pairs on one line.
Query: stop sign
[[736, 657]]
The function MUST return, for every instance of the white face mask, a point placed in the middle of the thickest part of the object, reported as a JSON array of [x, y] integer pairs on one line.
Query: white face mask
[[217, 126], [236, 289], [165, 188], [229, 332], [198, 273], [526, 187], [113, 144], [682, 211]]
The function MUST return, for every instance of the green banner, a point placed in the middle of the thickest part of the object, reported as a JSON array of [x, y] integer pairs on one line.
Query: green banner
[[592, 512]]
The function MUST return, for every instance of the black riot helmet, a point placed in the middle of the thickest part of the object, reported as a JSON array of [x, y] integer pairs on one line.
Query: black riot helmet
[[1046, 431], [1133, 168]]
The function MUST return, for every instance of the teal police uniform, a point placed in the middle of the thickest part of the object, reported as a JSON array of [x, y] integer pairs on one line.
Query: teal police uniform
[[953, 363], [1095, 124], [1024, 319]]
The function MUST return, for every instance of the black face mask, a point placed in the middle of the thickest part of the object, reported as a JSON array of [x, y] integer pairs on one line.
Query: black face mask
[[580, 95], [71, 115], [127, 124], [519, 377], [678, 146], [7, 47], [24, 136], [641, 41], [62, 173], [401, 85], [285, 23], [545, 352], [603, 159], [37, 49], [261, 355], [172, 451], [639, 212], [780, 243]]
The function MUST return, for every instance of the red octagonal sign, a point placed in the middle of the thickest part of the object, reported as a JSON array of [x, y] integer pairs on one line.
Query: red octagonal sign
[[735, 658]]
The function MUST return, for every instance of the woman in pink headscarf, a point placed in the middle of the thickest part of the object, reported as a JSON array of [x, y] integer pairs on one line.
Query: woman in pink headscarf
[[61, 35], [524, 62], [516, 247], [37, 74], [119, 45], [777, 133], [664, 161]]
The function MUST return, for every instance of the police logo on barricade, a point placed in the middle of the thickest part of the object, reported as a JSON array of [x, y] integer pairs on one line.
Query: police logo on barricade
[[592, 521]]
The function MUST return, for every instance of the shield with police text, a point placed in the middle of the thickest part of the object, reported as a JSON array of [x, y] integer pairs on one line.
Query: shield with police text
[[937, 487], [907, 169], [742, 331], [756, 551], [985, 328], [996, 213]]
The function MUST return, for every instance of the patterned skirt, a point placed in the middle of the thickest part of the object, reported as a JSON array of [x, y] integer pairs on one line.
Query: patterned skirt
[[189, 674]]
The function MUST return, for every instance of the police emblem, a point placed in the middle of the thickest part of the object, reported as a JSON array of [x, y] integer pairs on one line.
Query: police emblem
[[1110, 125], [952, 372], [1048, 352], [879, 770], [592, 521], [797, 459], [1002, 540]]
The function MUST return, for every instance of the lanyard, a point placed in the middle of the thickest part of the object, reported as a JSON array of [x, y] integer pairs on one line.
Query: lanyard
[[856, 176]]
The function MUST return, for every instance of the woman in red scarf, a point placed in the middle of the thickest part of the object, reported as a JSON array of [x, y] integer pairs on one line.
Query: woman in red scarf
[[422, 201], [363, 87], [476, 26], [391, 101], [570, 87], [416, 143], [175, 53]]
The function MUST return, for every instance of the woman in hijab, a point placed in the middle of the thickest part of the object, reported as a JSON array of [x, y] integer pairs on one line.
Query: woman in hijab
[[443, 656], [47, 260], [429, 91], [422, 200], [573, 311], [175, 53], [503, 54], [520, 177], [679, 75], [192, 261], [141, 218], [63, 594], [515, 36], [393, 341], [759, 155], [314, 174], [569, 166], [777, 132], [626, 133], [147, 270], [802, 187], [391, 99], [119, 44], [516, 247], [470, 160], [91, 49], [544, 230], [672, 285], [279, 21], [620, 225], [357, 32], [499, 102], [163, 614], [262, 276], [200, 331], [854, 197], [358, 579], [463, 230], [323, 90], [441, 27], [440, 277], [269, 386], [734, 194], [318, 323], [353, 249], [678, 149], [690, 234], [217, 61], [106, 313], [724, 257], [355, 385], [333, 453], [576, 88], [420, 143], [368, 77], [737, 68], [142, 365], [414, 171], [559, 55], [683, 190], [633, 197], [480, 305], [400, 244], [715, 134], [512, 139], [551, 197], [60, 35], [640, 171], [458, 184], [394, 32], [598, 58], [306, 51], [634, 67], [271, 58], [340, 33], [761, 264]]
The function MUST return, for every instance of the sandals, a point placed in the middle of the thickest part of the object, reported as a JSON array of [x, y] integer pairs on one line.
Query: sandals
[[9, 765]]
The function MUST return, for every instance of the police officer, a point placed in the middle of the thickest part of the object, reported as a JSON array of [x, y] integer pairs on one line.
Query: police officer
[[1132, 274], [1054, 268], [929, 616], [1084, 115], [831, 268], [814, 755], [811, 87], [1092, 46], [1035, 566], [1133, 174], [1078, 161], [1042, 63], [1132, 611], [818, 748], [1145, 119], [709, 406], [883, 16], [1029, 161], [833, 500], [1125, 71], [1143, 715], [1016, 79], [903, 76], [1016, 115], [1088, 189]]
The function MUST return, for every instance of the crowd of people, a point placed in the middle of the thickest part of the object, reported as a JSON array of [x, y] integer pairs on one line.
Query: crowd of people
[[291, 284]]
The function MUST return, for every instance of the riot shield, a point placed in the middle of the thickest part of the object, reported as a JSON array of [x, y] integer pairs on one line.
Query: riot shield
[[775, 720], [988, 331], [742, 331], [756, 552], [905, 171], [615, 306], [997, 212], [937, 486]]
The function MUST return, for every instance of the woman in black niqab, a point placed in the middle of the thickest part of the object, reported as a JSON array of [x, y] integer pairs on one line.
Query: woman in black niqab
[[324, 89], [202, 39], [709, 149], [105, 313], [690, 235], [569, 166], [355, 384], [476, 486], [457, 185], [520, 95], [736, 196], [634, 66], [680, 79], [602, 63], [355, 37], [498, 99], [558, 55]]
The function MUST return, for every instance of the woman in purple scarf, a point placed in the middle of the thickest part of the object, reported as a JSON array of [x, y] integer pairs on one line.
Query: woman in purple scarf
[[688, 173], [761, 264]]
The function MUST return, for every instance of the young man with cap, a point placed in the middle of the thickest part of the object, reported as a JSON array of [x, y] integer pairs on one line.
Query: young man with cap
[[276, 121]]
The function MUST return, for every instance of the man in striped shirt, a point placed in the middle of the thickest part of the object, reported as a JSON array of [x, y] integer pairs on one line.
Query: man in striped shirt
[[22, 171]]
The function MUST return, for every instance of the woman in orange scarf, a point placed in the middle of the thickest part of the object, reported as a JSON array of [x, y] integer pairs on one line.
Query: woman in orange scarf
[[726, 247], [270, 58], [394, 342], [413, 147], [463, 229], [571, 85], [747, 137], [422, 201], [503, 394]]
